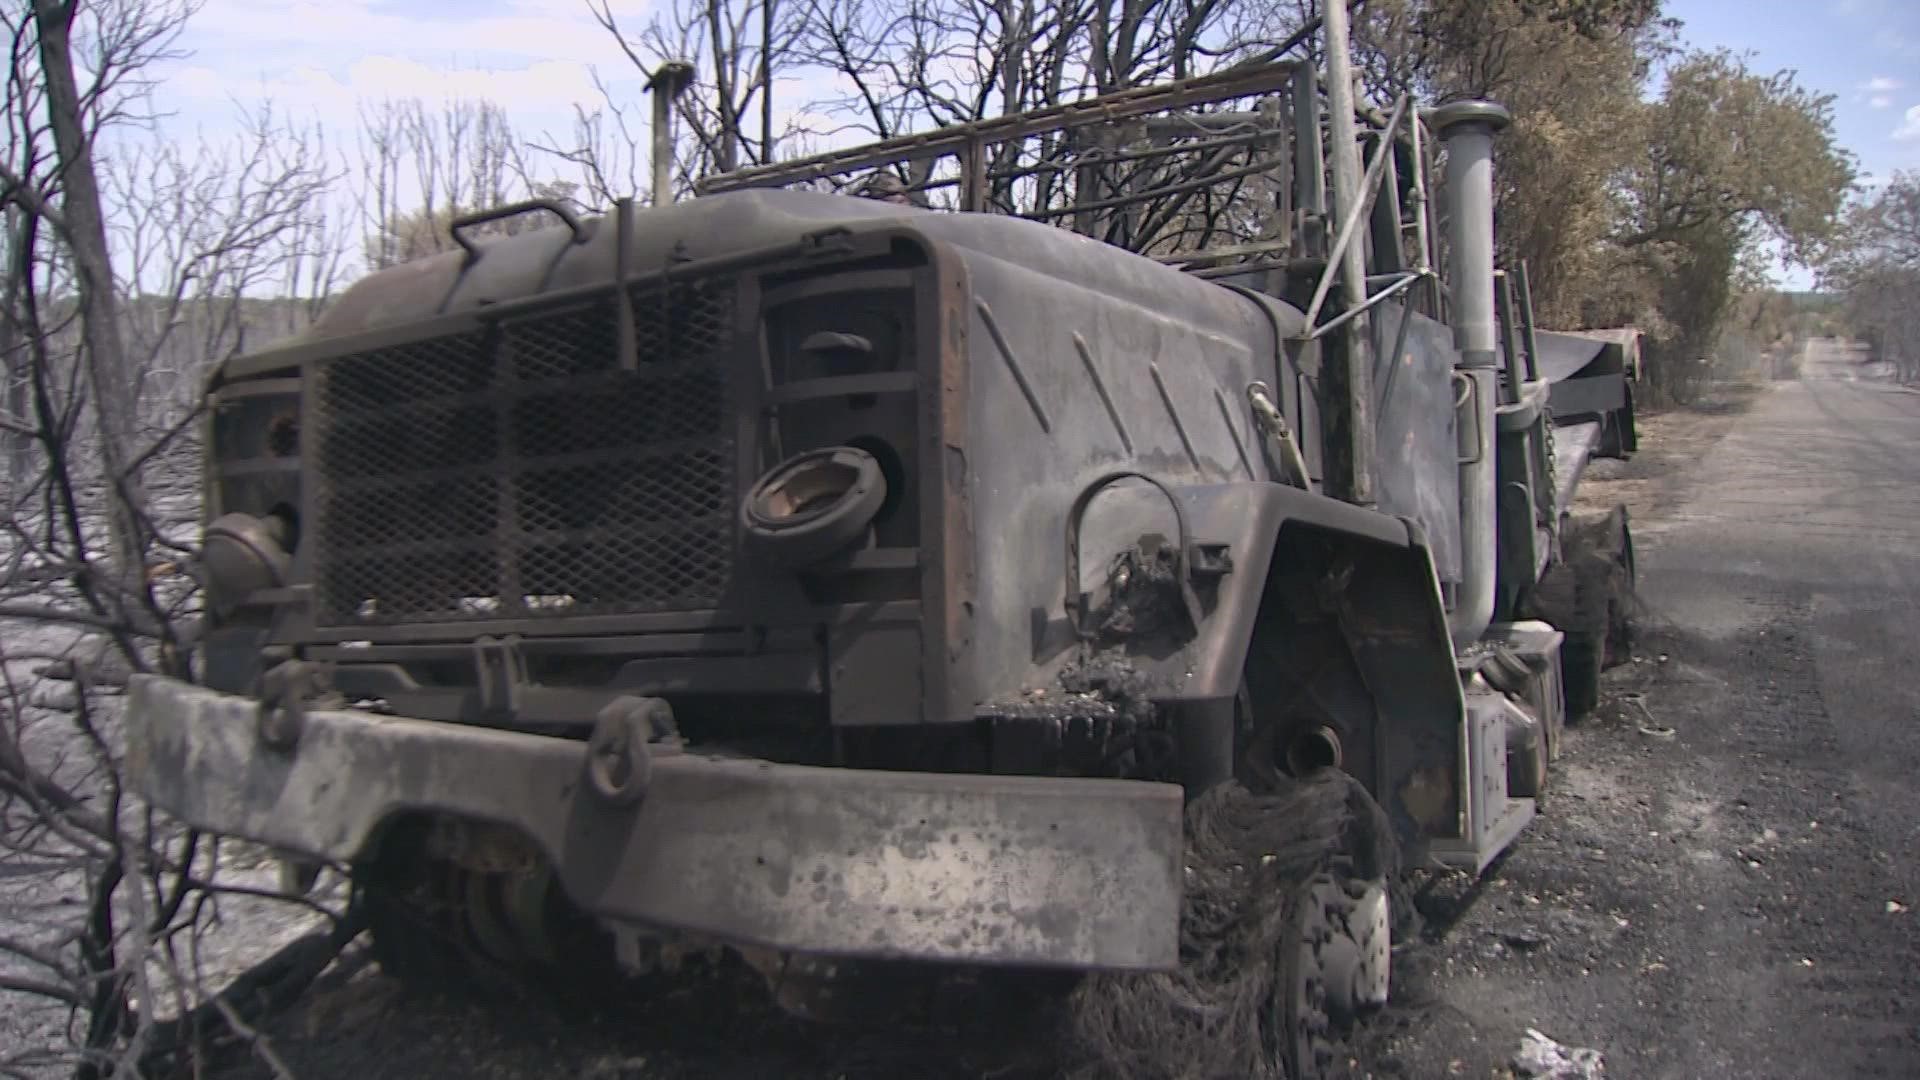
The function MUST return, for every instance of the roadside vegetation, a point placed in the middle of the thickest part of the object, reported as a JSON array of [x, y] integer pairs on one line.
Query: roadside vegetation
[[1875, 269]]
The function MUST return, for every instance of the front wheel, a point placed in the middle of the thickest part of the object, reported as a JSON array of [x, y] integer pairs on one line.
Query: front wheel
[[1285, 941], [1335, 970]]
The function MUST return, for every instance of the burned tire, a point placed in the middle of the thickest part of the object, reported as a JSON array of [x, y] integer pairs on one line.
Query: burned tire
[[1562, 600], [410, 914], [1618, 438], [485, 930], [1580, 674], [1334, 970], [1621, 597], [1589, 597], [1285, 942]]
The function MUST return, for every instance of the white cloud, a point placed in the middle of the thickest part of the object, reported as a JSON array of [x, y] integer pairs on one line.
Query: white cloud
[[1909, 127], [1877, 92], [533, 56], [541, 86], [1888, 40], [533, 29]]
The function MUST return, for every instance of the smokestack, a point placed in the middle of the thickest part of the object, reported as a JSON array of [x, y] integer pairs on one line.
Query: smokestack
[[1467, 129], [668, 82]]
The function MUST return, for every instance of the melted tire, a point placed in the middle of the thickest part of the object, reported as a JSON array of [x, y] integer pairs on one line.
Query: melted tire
[[1588, 596], [1277, 910], [1341, 941], [412, 937], [1580, 664], [1563, 601], [437, 927]]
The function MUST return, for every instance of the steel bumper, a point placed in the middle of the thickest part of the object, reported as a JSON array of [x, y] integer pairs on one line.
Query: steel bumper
[[954, 868]]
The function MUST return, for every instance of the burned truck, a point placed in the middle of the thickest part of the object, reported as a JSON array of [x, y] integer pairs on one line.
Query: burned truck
[[847, 582]]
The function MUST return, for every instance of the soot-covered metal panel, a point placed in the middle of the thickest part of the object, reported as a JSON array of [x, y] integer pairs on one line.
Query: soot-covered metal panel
[[1084, 360], [1419, 470]]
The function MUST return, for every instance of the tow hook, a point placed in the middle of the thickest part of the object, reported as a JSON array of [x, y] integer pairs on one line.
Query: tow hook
[[626, 735], [287, 691]]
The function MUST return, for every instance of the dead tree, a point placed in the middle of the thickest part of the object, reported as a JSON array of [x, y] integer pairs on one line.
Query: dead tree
[[424, 166], [91, 588], [603, 150], [739, 49], [933, 63], [81, 221], [222, 244]]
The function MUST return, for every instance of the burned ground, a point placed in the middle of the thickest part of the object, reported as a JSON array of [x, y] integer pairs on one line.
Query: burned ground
[[1720, 881]]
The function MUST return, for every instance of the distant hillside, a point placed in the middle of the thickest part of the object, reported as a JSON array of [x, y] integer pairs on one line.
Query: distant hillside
[[1812, 301]]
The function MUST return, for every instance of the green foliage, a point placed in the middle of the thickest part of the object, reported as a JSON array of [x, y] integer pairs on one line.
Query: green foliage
[[1640, 184], [1875, 266], [1742, 154], [1733, 161]]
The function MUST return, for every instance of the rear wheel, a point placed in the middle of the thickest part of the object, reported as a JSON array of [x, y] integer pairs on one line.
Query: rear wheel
[[1589, 596], [1580, 663], [1621, 597]]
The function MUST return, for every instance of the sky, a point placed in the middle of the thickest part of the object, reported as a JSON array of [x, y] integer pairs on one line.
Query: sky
[[319, 59], [1866, 53]]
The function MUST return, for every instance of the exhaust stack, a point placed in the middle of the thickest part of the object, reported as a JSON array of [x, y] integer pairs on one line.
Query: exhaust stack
[[667, 83], [1467, 129]]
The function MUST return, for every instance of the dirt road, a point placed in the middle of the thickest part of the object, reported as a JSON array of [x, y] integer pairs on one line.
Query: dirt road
[[1722, 880]]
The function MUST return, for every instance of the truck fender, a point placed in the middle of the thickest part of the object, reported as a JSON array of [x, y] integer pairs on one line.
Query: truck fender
[[1301, 563]]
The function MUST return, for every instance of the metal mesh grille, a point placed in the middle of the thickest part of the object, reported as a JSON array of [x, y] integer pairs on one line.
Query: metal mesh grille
[[521, 472]]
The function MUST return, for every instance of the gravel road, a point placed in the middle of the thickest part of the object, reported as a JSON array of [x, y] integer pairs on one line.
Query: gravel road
[[1719, 885]]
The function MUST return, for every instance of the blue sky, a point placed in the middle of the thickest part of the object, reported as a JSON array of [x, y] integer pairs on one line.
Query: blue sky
[[318, 59]]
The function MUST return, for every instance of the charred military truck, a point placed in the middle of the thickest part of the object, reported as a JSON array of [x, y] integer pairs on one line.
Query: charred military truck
[[845, 581]]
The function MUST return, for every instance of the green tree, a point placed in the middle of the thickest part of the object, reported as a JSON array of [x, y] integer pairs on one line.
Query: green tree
[[1876, 267], [1571, 72], [1736, 164], [1627, 205], [1729, 148]]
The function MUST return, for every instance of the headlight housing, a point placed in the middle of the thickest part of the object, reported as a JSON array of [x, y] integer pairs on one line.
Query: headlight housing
[[241, 554]]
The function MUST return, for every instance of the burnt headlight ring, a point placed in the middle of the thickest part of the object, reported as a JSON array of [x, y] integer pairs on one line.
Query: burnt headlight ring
[[812, 505], [241, 554]]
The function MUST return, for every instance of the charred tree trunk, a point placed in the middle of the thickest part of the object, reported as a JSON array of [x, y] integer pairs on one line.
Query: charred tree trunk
[[109, 380], [19, 443]]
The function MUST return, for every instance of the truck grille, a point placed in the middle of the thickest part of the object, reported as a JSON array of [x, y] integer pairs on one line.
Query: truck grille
[[519, 471]]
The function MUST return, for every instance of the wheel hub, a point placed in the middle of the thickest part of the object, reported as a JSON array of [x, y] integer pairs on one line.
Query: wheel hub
[[1340, 969]]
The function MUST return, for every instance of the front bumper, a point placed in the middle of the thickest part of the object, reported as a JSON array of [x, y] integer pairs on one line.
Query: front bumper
[[927, 866]]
